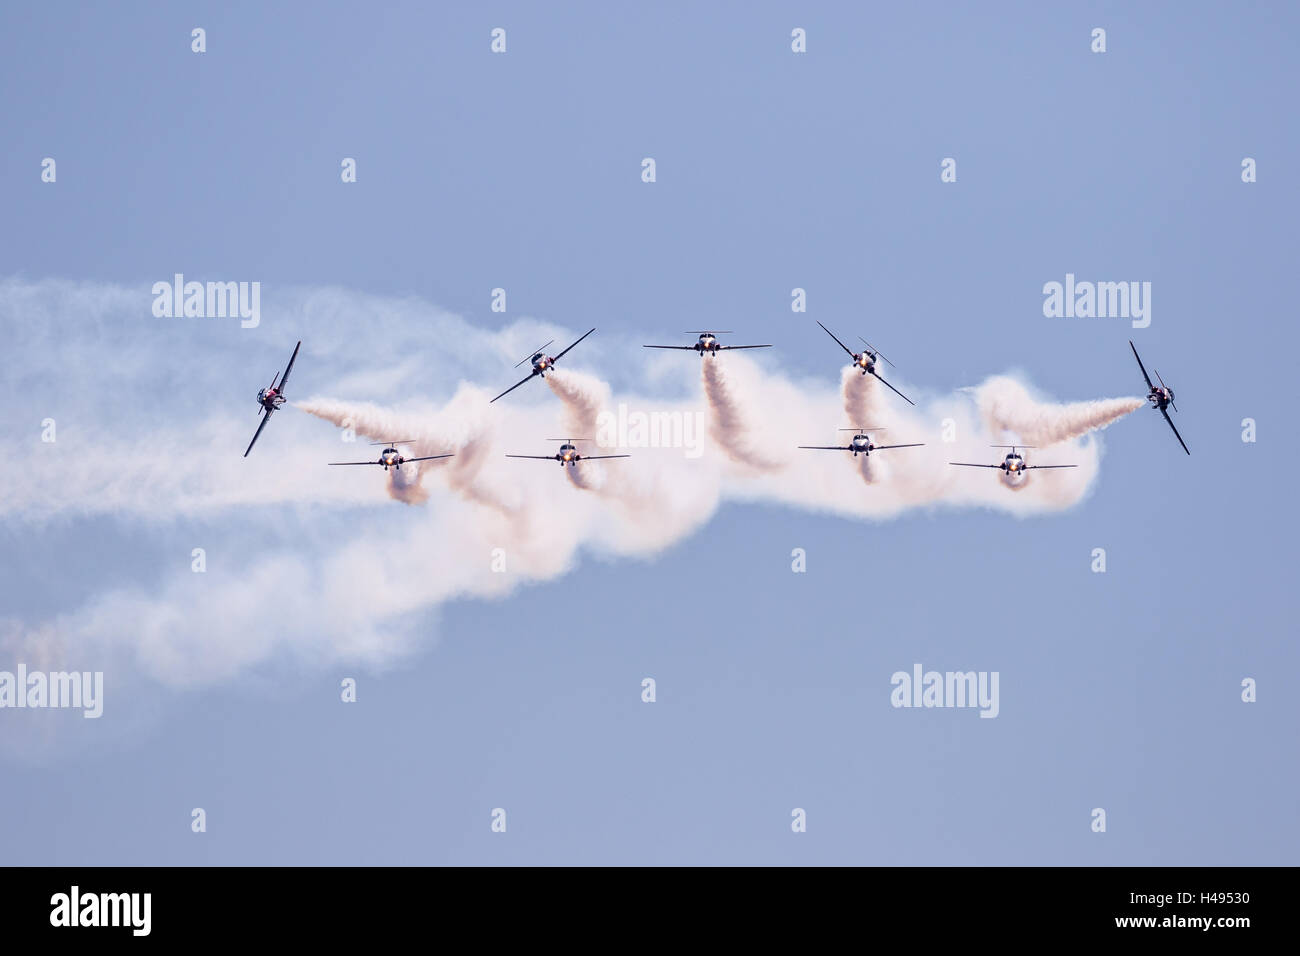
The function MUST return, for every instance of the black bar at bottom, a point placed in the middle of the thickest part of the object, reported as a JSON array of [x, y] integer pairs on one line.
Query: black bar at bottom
[[336, 905]]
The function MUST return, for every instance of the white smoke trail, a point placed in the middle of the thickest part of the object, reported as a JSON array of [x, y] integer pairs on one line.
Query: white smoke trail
[[867, 467], [862, 399], [1015, 484], [728, 424], [582, 399], [1007, 405], [405, 485], [587, 476], [648, 496]]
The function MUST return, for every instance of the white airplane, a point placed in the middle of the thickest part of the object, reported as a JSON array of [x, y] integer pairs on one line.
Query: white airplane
[[861, 443], [542, 363], [866, 361], [271, 398], [390, 457], [1013, 464], [1161, 397], [568, 454], [708, 344]]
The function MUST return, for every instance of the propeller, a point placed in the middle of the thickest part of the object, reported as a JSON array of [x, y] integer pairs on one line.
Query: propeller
[[1167, 389], [876, 351], [534, 352]]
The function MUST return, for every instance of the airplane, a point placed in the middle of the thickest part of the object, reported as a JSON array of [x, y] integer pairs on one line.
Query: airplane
[[861, 443], [1013, 464], [1161, 398], [542, 364], [866, 360], [271, 397], [568, 454], [390, 457], [707, 345]]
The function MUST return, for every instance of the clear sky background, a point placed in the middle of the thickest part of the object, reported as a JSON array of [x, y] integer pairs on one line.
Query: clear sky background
[[775, 170]]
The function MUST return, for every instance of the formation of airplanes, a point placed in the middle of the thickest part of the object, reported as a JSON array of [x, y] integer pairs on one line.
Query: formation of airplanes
[[1013, 465]]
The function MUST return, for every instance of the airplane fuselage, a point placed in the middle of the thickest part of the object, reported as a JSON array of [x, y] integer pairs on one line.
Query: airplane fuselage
[[1014, 465], [861, 444], [270, 399], [866, 362], [708, 343], [1161, 398], [542, 364], [391, 458]]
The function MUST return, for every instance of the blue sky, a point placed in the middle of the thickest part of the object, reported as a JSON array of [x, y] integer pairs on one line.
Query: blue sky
[[774, 170]]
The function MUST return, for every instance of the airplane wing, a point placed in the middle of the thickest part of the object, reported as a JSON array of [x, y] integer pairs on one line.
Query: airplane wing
[[265, 418], [594, 457], [829, 447], [354, 463], [512, 388], [535, 457], [685, 348], [580, 338], [832, 335], [1171, 425], [967, 464], [1027, 467], [429, 457], [896, 391], [289, 368], [1144, 369], [916, 444], [744, 346]]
